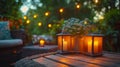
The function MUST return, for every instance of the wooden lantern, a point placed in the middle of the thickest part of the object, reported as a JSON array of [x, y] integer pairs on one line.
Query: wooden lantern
[[42, 42], [92, 44], [65, 42]]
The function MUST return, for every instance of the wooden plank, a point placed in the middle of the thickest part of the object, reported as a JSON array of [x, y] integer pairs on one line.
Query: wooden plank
[[116, 61], [112, 55], [40, 55], [103, 58], [49, 63], [93, 60], [72, 62], [78, 60]]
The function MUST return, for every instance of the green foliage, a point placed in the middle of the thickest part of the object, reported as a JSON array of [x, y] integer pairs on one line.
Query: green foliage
[[10, 9], [55, 16], [56, 28], [111, 19]]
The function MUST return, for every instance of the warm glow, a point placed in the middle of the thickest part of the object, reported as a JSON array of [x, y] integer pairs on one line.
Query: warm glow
[[28, 21], [49, 25], [25, 17], [64, 45], [101, 17], [77, 6], [42, 43], [96, 1], [46, 13], [15, 51], [90, 46], [61, 10], [39, 24], [35, 16], [95, 46], [65, 42], [85, 22]]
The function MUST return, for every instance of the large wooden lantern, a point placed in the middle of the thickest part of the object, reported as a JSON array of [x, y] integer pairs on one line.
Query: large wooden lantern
[[92, 44], [65, 42]]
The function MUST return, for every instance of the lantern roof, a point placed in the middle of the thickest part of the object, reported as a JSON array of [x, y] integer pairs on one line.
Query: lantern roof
[[99, 35], [64, 34]]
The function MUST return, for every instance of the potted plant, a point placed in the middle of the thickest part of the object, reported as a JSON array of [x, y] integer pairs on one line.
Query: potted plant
[[76, 27]]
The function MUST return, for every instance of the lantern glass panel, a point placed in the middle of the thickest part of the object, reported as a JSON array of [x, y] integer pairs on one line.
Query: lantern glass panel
[[60, 42], [97, 44], [81, 44], [88, 44], [92, 45], [65, 43]]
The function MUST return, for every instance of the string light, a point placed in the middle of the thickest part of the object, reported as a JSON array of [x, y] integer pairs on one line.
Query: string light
[[35, 16], [25, 17], [46, 13], [77, 6], [39, 24], [28, 21], [61, 10], [96, 1], [49, 25]]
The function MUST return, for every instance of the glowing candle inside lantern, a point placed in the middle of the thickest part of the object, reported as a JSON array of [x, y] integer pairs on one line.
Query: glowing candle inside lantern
[[42, 42], [90, 46], [64, 45], [95, 46]]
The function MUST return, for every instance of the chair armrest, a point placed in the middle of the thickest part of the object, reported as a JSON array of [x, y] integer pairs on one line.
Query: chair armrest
[[10, 43]]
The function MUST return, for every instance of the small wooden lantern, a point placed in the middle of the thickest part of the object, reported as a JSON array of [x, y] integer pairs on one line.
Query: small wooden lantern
[[65, 42], [42, 42], [92, 44]]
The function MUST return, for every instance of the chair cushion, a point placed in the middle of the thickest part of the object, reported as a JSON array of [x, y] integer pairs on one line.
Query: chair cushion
[[4, 30]]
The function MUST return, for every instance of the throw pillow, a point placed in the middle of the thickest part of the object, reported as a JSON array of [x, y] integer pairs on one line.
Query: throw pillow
[[4, 30]]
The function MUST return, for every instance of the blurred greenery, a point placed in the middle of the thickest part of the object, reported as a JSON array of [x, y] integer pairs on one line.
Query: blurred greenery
[[109, 25], [10, 9], [112, 19], [53, 6], [112, 30]]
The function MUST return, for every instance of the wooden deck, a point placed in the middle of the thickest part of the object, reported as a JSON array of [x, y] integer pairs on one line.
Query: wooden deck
[[78, 60]]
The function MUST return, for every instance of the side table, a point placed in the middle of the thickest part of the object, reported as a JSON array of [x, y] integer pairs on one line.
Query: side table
[[36, 49]]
